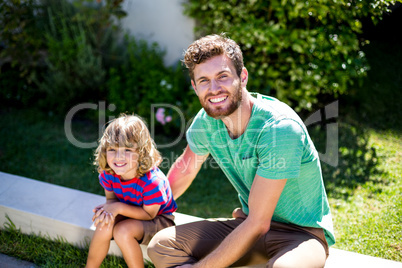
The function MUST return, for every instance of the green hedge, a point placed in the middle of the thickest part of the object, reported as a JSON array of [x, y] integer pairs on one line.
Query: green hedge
[[58, 54], [53, 54], [295, 50]]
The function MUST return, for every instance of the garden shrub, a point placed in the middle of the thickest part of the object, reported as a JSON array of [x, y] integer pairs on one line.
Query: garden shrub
[[295, 50], [21, 50], [61, 50], [75, 72], [80, 39]]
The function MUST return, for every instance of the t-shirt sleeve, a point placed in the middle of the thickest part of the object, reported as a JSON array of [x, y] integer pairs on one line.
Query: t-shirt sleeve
[[197, 136], [155, 193], [105, 182], [281, 149]]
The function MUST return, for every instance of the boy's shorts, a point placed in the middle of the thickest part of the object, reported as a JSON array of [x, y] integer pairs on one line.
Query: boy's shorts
[[153, 226]]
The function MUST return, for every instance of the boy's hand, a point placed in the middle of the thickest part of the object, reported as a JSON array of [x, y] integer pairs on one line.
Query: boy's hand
[[112, 207], [103, 216], [98, 210]]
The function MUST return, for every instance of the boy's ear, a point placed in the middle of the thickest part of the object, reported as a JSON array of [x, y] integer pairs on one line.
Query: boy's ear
[[194, 86]]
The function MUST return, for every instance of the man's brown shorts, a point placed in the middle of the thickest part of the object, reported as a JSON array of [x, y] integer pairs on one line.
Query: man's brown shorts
[[153, 226]]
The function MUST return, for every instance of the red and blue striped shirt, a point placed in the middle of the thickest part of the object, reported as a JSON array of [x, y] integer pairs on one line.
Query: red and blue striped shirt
[[151, 189]]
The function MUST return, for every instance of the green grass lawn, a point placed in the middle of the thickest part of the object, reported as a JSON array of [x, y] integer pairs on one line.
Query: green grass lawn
[[364, 189], [369, 221], [47, 252]]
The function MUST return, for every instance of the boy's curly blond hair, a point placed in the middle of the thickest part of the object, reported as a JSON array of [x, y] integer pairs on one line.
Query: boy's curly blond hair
[[128, 131], [210, 46]]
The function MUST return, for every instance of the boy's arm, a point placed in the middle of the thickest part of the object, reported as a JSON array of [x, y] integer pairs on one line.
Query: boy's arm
[[184, 170], [114, 206], [106, 213], [144, 213]]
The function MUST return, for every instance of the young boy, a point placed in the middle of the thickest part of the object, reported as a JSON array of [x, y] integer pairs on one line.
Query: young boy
[[139, 201]]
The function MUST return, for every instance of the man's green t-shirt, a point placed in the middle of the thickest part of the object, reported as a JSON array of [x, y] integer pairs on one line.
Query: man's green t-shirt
[[275, 145]]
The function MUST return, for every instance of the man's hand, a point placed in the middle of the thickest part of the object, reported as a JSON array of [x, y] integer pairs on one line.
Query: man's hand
[[238, 213]]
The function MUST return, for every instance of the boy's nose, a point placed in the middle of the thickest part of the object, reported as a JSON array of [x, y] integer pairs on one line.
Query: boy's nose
[[120, 154]]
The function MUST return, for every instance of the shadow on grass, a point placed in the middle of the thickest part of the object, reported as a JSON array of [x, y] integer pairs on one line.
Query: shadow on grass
[[377, 103], [358, 162]]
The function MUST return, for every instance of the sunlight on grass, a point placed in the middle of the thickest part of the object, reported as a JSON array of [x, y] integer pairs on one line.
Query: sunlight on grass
[[370, 220]]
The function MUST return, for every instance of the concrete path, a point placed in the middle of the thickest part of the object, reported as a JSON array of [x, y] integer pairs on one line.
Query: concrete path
[[11, 262]]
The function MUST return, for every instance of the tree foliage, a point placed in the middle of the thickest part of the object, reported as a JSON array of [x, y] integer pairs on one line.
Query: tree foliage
[[54, 53], [295, 50]]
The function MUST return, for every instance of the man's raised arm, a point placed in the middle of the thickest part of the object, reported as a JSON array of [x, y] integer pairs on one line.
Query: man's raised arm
[[184, 170]]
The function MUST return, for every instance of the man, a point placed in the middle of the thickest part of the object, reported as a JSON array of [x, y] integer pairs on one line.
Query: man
[[264, 149]]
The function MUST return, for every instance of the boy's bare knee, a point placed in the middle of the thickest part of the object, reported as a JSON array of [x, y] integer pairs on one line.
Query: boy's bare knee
[[119, 231]]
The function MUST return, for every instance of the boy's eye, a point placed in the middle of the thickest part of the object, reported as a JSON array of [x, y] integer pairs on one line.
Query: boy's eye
[[111, 150]]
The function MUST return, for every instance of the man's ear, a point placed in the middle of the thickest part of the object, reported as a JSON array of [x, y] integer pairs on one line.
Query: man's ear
[[194, 87], [244, 76]]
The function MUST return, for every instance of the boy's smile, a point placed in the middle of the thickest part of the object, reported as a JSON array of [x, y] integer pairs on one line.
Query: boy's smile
[[120, 165]]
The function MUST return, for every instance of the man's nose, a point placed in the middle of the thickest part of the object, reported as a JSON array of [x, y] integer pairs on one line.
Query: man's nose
[[215, 86]]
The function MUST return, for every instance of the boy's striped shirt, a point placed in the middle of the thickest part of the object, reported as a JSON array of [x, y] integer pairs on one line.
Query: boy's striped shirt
[[151, 189]]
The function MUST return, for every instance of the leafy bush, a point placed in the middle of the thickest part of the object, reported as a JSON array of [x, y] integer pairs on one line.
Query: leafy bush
[[59, 49], [80, 38], [19, 36], [294, 49], [74, 72], [21, 50]]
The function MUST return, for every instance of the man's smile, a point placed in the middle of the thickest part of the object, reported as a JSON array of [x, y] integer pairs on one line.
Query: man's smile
[[218, 99]]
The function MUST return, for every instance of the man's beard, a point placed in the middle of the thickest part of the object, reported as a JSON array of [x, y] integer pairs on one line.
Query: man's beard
[[221, 112]]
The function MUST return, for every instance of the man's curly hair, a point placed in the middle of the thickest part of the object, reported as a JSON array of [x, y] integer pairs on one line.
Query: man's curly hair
[[128, 131], [210, 46]]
